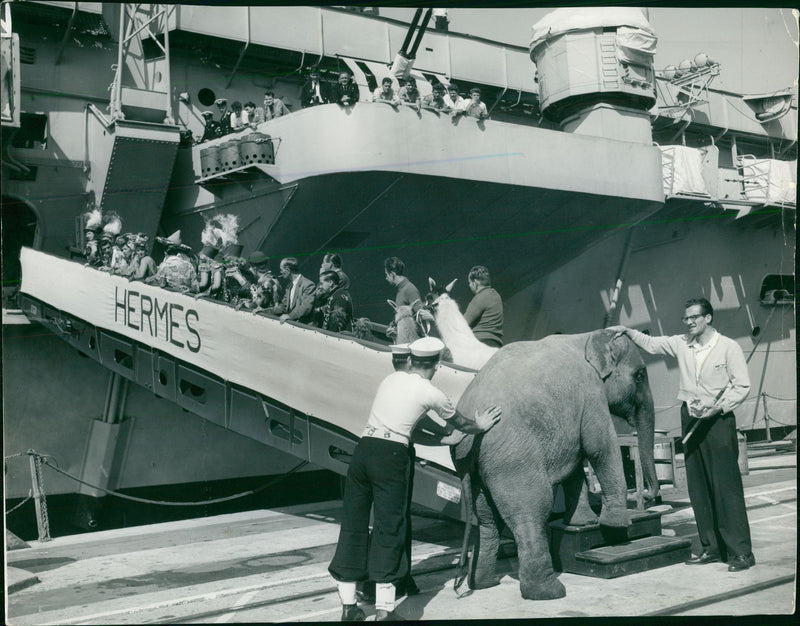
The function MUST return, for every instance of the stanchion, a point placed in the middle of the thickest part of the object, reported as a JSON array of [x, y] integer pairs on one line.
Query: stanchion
[[42, 521], [766, 416]]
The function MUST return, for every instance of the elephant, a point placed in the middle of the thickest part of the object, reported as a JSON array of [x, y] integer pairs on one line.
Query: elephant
[[557, 395]]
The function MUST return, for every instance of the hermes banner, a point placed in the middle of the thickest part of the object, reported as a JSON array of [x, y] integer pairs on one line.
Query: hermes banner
[[330, 377]]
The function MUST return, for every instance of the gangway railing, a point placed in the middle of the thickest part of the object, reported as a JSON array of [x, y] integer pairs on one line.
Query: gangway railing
[[304, 391]]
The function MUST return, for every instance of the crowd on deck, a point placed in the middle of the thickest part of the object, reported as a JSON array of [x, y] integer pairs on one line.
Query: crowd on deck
[[392, 91], [219, 272]]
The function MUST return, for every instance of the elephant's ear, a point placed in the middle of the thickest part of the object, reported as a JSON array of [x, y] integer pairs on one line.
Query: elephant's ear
[[600, 353]]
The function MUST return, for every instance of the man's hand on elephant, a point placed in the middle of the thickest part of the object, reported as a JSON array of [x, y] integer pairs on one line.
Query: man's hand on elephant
[[488, 418], [618, 330]]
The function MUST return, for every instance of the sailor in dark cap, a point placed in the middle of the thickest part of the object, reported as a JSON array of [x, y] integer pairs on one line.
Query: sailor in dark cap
[[378, 478], [211, 129], [429, 433]]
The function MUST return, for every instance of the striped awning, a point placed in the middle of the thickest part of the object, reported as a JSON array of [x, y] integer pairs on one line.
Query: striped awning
[[369, 74]]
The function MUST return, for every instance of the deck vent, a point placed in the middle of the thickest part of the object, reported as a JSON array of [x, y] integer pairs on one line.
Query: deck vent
[[27, 55]]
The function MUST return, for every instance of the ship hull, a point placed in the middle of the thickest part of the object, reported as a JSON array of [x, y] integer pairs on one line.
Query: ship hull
[[439, 226]]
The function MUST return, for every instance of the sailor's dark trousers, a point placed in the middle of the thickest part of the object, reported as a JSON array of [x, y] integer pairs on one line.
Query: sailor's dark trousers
[[379, 475], [715, 485]]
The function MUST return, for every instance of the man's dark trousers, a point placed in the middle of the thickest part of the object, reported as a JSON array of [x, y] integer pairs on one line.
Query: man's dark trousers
[[378, 474], [715, 485]]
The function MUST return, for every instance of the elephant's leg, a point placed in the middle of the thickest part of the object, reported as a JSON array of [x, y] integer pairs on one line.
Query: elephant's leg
[[537, 580], [484, 556], [576, 498], [599, 440]]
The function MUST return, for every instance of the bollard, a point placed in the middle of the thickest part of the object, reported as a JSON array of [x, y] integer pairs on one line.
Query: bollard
[[744, 469], [663, 457]]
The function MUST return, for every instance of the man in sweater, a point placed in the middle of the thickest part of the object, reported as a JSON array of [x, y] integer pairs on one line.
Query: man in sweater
[[407, 293], [484, 313], [713, 382]]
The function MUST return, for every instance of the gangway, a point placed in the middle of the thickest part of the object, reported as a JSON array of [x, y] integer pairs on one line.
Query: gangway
[[304, 391]]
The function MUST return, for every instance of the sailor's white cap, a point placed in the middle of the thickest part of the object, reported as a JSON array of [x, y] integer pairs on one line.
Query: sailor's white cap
[[400, 349], [427, 347]]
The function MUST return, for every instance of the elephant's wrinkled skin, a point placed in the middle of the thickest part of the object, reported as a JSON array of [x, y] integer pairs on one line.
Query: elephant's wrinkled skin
[[557, 396]]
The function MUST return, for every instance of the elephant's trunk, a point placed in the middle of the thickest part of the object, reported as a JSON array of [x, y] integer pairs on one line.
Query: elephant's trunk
[[645, 429]]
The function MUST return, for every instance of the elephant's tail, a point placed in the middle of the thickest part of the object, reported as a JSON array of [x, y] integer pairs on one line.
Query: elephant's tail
[[463, 569]]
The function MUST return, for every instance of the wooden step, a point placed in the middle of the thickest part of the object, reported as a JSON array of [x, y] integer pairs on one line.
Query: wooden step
[[566, 541], [631, 557]]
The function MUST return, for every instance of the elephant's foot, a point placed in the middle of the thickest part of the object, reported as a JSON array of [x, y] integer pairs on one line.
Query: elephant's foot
[[548, 589], [614, 517], [652, 498]]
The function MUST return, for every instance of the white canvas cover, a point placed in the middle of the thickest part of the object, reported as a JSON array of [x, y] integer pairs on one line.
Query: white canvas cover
[[568, 19], [683, 171], [769, 180], [635, 45]]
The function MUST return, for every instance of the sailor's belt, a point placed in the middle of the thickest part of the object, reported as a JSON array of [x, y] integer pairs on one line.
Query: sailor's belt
[[382, 433]]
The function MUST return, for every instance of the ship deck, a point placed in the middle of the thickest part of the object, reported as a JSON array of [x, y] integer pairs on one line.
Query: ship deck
[[271, 566]]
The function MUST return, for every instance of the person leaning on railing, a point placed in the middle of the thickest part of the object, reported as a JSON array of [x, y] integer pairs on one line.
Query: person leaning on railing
[[435, 101], [313, 92], [273, 107], [238, 118], [409, 94], [453, 101], [474, 107], [386, 93], [344, 91]]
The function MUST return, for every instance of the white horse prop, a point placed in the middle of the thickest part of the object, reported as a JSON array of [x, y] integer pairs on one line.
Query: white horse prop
[[454, 330]]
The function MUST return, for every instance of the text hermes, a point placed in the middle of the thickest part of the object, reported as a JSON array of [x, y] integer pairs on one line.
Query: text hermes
[[166, 320]]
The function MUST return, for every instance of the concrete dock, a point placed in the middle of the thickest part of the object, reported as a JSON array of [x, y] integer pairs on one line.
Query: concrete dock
[[271, 566]]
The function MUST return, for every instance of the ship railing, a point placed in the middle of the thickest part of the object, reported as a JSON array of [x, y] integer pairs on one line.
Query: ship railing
[[685, 170], [767, 181]]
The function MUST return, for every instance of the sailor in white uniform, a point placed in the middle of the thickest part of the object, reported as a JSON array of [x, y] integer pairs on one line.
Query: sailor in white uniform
[[378, 477]]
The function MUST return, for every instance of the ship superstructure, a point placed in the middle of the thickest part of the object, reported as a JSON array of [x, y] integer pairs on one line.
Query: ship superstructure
[[588, 192]]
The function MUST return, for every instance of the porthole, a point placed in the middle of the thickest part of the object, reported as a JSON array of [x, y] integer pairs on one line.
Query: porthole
[[206, 97]]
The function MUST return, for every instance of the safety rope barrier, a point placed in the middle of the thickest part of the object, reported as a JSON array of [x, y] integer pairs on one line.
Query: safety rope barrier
[[20, 504], [198, 503], [763, 393], [38, 495]]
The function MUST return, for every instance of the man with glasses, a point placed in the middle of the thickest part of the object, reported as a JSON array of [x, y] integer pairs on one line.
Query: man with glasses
[[378, 478], [713, 382]]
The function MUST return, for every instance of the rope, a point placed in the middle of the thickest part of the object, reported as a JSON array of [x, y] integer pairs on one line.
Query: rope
[[19, 505], [772, 419], [163, 503], [777, 398], [31, 453], [13, 456]]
